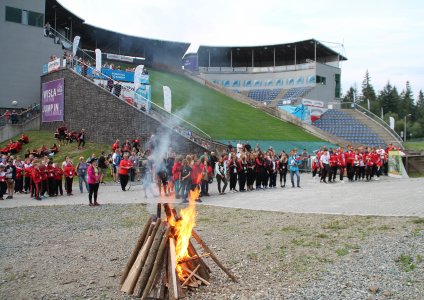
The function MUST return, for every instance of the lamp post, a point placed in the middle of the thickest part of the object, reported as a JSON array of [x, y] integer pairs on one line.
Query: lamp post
[[404, 127]]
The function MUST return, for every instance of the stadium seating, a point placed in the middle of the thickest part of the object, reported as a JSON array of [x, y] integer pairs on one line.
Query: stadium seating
[[264, 95], [343, 125], [293, 94]]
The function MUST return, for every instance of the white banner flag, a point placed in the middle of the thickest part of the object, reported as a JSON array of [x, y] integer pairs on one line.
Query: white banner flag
[[137, 76], [98, 60], [167, 98], [392, 123], [75, 45]]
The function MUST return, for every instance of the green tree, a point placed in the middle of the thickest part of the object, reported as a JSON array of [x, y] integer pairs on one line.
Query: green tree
[[351, 95], [407, 102], [368, 92], [389, 99], [420, 104]]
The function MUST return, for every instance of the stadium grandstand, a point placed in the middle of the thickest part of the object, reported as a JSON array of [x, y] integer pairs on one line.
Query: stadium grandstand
[[302, 76]]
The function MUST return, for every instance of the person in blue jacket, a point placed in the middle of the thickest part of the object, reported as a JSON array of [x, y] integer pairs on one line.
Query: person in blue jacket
[[293, 162]]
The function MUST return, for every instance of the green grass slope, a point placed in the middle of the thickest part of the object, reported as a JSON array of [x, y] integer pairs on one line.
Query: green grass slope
[[39, 138], [220, 116]]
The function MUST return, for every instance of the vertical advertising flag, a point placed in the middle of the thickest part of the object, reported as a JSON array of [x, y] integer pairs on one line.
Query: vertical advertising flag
[[75, 45], [52, 100], [167, 99], [98, 60], [137, 76], [392, 123]]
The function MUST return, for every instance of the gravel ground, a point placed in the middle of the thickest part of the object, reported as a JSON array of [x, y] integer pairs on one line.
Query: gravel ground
[[78, 252]]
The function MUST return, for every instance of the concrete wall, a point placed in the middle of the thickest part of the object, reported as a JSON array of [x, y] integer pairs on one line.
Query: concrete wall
[[106, 117], [24, 50], [327, 92], [8, 131]]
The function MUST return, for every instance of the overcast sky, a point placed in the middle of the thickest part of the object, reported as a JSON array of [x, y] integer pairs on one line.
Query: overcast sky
[[385, 37]]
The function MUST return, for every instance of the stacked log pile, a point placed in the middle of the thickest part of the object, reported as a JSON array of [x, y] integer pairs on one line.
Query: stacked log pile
[[151, 271]]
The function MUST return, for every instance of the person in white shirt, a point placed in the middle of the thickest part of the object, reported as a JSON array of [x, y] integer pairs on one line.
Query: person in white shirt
[[325, 164]]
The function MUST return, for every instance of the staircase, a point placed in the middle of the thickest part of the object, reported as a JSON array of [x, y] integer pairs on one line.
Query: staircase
[[383, 133]]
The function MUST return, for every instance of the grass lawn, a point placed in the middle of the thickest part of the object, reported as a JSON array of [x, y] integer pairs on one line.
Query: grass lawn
[[220, 116], [39, 138], [417, 146]]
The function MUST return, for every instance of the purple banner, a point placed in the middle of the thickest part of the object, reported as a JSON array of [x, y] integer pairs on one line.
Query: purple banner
[[52, 101]]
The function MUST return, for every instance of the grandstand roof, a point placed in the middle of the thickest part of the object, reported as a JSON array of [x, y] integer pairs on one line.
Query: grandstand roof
[[304, 49]]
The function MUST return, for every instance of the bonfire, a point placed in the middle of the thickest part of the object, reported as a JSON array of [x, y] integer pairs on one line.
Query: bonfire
[[164, 262]]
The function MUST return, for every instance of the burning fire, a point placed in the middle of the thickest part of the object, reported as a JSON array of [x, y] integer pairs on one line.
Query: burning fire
[[182, 230]]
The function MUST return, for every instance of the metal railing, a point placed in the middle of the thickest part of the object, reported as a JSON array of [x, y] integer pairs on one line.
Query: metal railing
[[353, 105], [157, 111], [20, 118]]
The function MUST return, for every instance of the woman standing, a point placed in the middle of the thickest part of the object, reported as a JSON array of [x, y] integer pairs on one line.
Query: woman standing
[[250, 171], [82, 173], [242, 172], [294, 168], [282, 168], [232, 166], [94, 176], [185, 180], [220, 171], [260, 170], [69, 172]]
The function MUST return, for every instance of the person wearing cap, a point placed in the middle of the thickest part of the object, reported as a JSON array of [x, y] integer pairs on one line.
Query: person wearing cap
[[10, 170], [94, 176], [3, 186]]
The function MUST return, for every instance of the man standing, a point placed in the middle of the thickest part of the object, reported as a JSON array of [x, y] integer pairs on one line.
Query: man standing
[[116, 160], [102, 166], [325, 164], [10, 178]]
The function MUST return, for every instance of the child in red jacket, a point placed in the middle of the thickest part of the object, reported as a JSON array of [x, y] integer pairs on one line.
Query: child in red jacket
[[58, 174], [69, 172]]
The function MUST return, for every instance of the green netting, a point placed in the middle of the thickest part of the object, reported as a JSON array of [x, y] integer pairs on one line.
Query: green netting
[[284, 145]]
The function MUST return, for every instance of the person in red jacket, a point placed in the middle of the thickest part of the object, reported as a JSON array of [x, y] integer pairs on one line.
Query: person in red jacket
[[51, 181], [19, 186], [176, 172], [58, 174], [196, 176], [260, 170], [341, 159], [334, 162], [242, 172], [44, 183], [350, 158], [24, 139], [69, 172], [115, 145], [368, 164], [377, 163], [124, 167], [36, 180]]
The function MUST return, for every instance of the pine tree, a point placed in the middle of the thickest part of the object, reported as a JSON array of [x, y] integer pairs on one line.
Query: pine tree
[[420, 104], [407, 102], [351, 95], [368, 92], [389, 99]]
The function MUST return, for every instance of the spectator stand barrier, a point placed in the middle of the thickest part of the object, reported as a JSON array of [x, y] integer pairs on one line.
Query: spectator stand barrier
[[20, 118]]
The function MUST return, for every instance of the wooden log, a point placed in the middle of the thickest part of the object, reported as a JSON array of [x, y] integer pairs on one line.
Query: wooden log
[[213, 256], [172, 271], [168, 210], [191, 274], [196, 257], [143, 257], [159, 284], [136, 249], [157, 261], [131, 280], [149, 257], [204, 270], [197, 276]]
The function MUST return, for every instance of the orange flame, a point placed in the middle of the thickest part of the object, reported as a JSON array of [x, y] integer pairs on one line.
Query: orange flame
[[183, 228]]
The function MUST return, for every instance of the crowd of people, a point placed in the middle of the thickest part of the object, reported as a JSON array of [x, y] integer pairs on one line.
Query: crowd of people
[[240, 168]]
